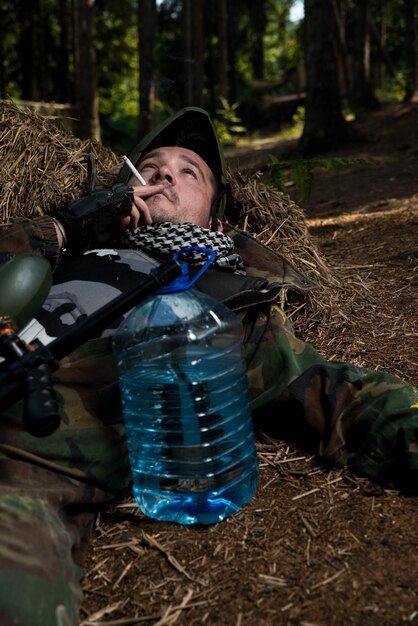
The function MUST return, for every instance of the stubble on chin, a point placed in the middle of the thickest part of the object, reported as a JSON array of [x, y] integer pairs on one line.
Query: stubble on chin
[[163, 210]]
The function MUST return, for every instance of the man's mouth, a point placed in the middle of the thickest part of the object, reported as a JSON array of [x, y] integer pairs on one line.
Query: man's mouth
[[170, 194]]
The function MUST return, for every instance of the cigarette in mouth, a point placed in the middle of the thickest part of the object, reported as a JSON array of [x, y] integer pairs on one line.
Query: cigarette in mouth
[[134, 170]]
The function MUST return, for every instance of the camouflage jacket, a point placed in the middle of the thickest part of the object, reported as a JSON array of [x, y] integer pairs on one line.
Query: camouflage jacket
[[349, 415]]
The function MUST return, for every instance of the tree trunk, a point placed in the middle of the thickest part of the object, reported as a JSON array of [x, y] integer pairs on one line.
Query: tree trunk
[[232, 43], [362, 94], [88, 125], [198, 52], [379, 36], [147, 19], [345, 78], [3, 77], [222, 50], [187, 53], [411, 52], [28, 49], [258, 22], [43, 42], [62, 75], [325, 126]]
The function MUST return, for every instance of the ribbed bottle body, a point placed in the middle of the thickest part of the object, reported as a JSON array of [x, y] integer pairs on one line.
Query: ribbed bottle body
[[186, 409]]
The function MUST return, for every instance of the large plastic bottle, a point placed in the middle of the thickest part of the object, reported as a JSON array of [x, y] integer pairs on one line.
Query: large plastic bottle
[[186, 407]]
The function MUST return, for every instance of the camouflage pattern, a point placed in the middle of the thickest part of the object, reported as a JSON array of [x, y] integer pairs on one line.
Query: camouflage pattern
[[261, 261], [51, 489], [346, 414]]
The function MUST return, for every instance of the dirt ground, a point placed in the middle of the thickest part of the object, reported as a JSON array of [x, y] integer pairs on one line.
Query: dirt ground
[[315, 547]]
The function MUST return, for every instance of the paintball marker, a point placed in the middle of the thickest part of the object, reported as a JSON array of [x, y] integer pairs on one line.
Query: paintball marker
[[26, 370]]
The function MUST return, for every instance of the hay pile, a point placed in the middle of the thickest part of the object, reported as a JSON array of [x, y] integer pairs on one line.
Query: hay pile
[[42, 167], [278, 222]]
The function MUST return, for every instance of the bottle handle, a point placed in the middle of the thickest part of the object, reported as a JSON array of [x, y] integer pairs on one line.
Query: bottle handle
[[211, 257], [184, 281]]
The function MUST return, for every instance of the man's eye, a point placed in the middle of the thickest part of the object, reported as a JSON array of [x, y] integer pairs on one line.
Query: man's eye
[[189, 171]]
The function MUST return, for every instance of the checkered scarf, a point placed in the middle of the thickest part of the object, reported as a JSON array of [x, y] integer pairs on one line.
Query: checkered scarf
[[168, 238]]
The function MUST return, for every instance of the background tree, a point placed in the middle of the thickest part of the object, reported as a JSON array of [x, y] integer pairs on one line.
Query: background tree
[[198, 52], [325, 125], [10, 25], [362, 96], [259, 23], [187, 32], [37, 49], [62, 76], [386, 25], [232, 43], [170, 54], [138, 60], [117, 71], [344, 69], [411, 50], [87, 104], [147, 19], [222, 49], [27, 46]]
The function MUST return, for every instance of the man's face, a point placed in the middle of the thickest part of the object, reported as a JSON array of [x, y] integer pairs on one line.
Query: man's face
[[188, 186]]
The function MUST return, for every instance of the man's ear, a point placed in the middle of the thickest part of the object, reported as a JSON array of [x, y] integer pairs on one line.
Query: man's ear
[[219, 223]]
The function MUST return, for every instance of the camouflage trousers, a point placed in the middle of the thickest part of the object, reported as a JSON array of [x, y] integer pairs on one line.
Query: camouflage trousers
[[52, 488], [346, 414]]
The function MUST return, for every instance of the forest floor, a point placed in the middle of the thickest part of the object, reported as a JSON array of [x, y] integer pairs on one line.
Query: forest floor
[[315, 547]]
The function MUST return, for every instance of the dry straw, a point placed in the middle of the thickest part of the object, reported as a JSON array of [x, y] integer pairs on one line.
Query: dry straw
[[43, 167], [275, 220]]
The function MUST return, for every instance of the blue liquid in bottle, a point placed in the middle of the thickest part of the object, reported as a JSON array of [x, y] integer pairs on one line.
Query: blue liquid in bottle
[[186, 408]]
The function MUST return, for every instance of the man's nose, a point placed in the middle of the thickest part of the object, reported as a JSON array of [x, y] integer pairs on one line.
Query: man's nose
[[164, 174]]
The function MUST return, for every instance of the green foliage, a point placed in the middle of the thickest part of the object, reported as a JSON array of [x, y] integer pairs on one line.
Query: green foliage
[[227, 123], [302, 171], [392, 89], [48, 74], [282, 43], [298, 118], [117, 54], [170, 59]]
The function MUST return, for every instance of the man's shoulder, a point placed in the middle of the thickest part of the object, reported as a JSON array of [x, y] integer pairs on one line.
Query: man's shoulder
[[260, 261]]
